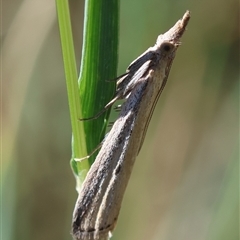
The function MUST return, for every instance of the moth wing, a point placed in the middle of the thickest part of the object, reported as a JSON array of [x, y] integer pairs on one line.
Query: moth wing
[[135, 66], [130, 81], [152, 109], [137, 63], [140, 73]]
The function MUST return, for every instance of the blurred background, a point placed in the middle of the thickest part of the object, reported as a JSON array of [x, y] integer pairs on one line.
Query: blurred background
[[185, 183]]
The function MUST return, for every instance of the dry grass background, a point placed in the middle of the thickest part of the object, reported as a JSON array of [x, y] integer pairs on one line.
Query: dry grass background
[[185, 182]]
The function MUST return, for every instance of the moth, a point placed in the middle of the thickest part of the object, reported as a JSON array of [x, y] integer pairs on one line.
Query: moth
[[99, 201]]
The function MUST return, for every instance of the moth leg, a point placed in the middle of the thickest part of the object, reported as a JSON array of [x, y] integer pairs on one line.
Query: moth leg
[[102, 111], [88, 156], [94, 150], [117, 108], [117, 78]]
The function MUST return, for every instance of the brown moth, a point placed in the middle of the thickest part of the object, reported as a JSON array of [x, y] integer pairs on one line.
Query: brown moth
[[99, 201]]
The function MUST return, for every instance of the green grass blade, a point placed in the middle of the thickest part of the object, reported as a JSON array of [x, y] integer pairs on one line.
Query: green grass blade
[[78, 144], [99, 63]]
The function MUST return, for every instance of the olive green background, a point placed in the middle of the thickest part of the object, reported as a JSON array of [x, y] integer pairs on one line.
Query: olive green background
[[185, 183]]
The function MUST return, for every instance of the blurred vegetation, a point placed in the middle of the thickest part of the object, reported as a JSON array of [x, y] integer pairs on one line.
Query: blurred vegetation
[[185, 184]]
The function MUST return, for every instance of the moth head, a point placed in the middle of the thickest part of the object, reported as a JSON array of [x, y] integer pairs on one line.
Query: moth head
[[166, 48]]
